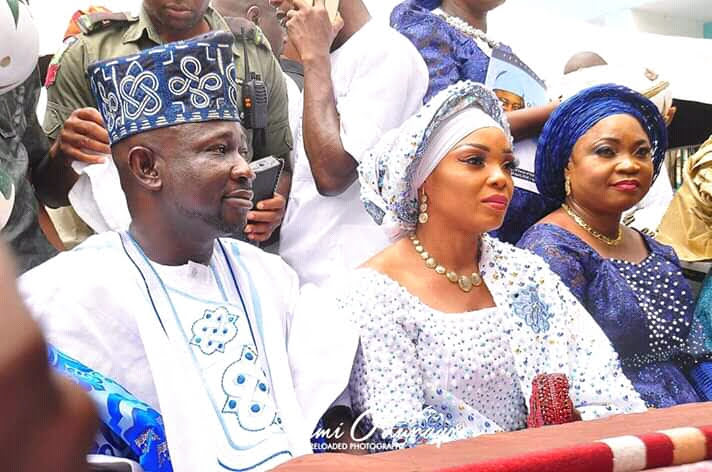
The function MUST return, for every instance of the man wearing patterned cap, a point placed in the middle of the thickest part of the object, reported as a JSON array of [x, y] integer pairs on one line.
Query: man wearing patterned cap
[[169, 309], [78, 133]]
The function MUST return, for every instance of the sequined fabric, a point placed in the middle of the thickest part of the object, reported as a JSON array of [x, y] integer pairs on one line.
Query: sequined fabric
[[464, 374], [645, 309], [451, 56]]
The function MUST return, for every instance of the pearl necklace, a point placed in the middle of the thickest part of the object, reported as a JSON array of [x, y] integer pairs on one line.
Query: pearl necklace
[[465, 28], [466, 283], [600, 236]]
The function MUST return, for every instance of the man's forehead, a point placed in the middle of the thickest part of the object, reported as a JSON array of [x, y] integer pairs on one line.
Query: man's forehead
[[215, 128]]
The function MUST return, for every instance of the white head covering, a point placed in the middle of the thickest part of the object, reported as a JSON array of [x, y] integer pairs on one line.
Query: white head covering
[[454, 130], [19, 44], [392, 172]]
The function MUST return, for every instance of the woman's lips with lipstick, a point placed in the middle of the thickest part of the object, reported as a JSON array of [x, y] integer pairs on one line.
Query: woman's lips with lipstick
[[498, 202], [627, 185]]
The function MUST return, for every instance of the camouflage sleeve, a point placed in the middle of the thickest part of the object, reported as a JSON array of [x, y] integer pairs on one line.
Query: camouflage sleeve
[[70, 90], [34, 139], [278, 135]]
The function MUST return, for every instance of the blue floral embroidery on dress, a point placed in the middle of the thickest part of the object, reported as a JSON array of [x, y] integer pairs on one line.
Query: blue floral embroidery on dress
[[214, 330], [528, 305], [376, 213]]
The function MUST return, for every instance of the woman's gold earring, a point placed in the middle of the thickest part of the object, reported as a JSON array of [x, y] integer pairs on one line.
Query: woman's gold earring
[[423, 217], [567, 186]]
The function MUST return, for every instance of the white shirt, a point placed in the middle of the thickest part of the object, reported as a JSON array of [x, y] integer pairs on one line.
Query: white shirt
[[379, 81], [294, 109], [162, 338]]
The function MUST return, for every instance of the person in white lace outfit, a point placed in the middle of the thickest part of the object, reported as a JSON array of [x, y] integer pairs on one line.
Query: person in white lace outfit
[[454, 325]]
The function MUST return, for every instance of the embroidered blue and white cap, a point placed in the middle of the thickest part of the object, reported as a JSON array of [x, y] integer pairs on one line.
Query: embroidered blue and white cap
[[187, 81]]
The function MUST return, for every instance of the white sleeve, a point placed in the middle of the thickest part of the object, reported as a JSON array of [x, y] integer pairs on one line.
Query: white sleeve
[[598, 386], [388, 87], [321, 347]]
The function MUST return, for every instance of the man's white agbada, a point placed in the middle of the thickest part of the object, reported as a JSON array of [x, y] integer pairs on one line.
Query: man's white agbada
[[206, 345]]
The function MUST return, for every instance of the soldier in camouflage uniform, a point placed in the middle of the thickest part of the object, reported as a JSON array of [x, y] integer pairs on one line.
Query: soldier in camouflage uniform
[[75, 126], [23, 146]]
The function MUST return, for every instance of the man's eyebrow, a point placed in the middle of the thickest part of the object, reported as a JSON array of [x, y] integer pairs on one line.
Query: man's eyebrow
[[205, 137]]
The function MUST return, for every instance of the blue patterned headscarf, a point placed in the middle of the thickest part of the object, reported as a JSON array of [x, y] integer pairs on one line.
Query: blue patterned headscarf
[[388, 172], [183, 82], [576, 116]]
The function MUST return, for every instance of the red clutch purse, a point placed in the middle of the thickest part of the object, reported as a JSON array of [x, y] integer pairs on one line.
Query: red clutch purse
[[550, 402]]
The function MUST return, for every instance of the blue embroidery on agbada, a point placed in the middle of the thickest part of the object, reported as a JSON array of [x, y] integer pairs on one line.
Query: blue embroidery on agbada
[[248, 393], [214, 330], [130, 428]]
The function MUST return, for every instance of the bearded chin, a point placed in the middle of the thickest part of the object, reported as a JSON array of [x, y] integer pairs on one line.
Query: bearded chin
[[217, 222]]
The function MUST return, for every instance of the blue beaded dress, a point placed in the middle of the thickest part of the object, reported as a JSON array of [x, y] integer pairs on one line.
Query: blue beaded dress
[[646, 309], [452, 56]]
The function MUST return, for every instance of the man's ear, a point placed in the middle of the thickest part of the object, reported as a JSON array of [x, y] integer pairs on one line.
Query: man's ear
[[145, 168], [253, 14]]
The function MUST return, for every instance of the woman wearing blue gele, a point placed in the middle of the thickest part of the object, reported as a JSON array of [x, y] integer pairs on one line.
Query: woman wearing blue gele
[[598, 156]]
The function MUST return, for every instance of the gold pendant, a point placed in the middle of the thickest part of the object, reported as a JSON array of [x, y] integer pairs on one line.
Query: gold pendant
[[465, 283]]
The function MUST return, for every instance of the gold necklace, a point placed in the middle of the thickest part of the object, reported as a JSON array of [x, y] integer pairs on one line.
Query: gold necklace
[[466, 283], [601, 237]]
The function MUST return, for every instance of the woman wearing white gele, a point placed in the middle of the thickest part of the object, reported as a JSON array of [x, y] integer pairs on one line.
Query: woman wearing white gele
[[454, 325]]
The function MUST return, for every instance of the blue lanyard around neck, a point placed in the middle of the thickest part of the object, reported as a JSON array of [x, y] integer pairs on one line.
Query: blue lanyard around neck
[[127, 238]]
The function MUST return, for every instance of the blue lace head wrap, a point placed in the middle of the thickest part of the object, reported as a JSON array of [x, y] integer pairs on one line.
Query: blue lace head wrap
[[388, 171], [576, 116]]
